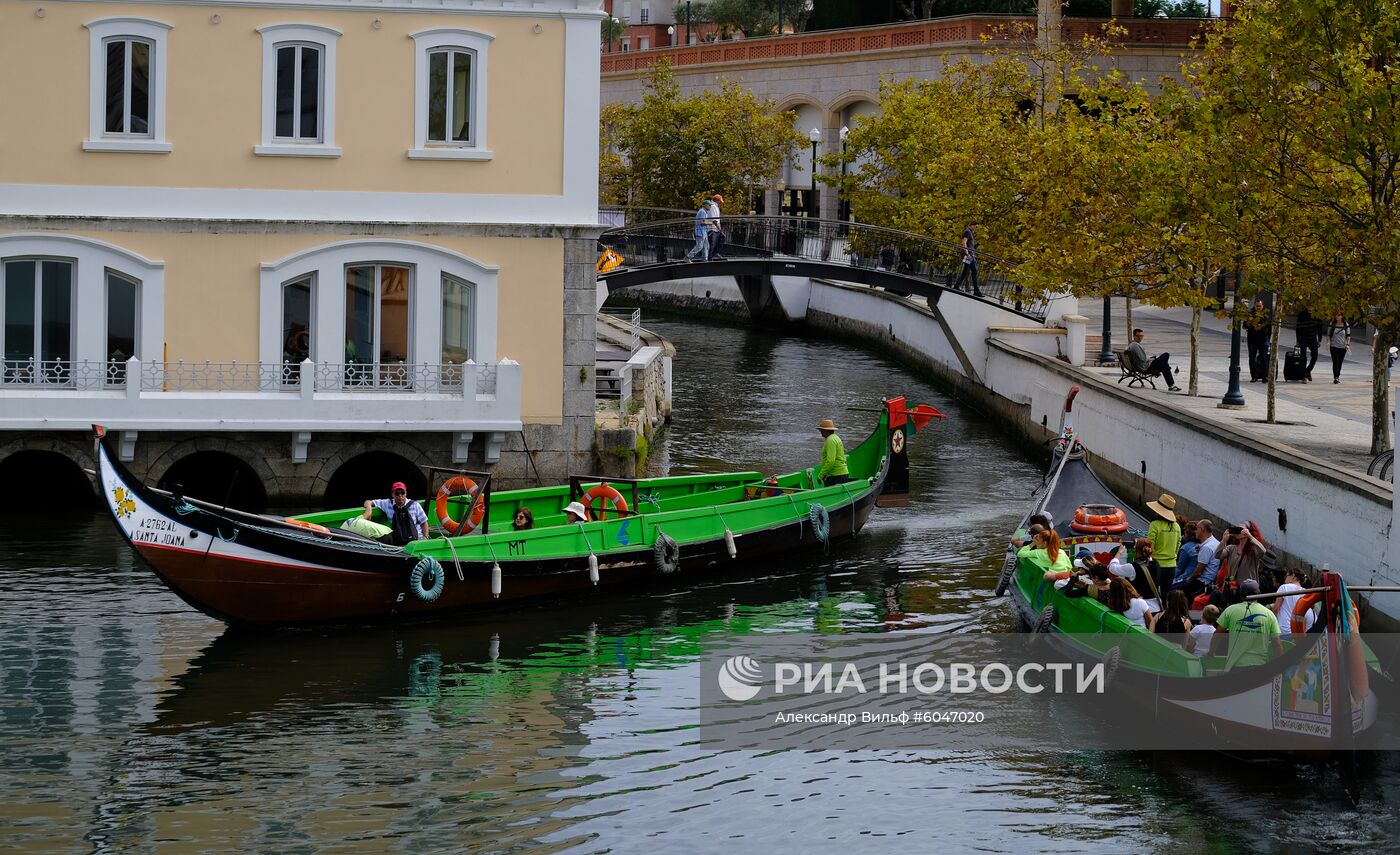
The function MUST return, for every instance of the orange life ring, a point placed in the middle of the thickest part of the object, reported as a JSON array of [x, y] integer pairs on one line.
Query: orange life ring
[[1298, 621], [1114, 521], [612, 500], [316, 527], [459, 486]]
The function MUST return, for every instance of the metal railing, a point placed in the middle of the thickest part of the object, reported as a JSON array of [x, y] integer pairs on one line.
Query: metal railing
[[85, 375], [624, 326], [839, 244]]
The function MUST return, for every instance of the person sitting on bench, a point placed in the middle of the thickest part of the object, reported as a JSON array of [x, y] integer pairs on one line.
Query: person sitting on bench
[[1151, 366]]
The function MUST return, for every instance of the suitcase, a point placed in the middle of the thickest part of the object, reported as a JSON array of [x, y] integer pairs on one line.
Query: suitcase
[[1293, 363]]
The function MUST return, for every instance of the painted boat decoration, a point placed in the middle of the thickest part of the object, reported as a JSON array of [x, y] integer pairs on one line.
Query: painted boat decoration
[[1314, 697], [245, 568]]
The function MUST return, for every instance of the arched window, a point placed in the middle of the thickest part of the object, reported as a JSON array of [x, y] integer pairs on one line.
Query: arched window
[[298, 91], [73, 309], [449, 116], [126, 89]]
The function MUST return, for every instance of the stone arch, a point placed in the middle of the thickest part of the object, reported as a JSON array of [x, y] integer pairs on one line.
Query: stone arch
[[799, 99], [33, 460], [251, 457], [835, 115], [360, 471]]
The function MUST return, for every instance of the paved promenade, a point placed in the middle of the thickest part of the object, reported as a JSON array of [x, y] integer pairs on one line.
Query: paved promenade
[[1332, 422]]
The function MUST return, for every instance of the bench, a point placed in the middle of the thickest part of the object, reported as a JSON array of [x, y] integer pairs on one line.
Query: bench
[[1131, 374]]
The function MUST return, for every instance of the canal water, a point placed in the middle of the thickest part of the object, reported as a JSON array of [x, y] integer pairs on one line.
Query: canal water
[[129, 722]]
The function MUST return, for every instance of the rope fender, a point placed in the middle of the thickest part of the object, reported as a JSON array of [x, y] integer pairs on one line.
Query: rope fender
[[427, 579], [821, 521]]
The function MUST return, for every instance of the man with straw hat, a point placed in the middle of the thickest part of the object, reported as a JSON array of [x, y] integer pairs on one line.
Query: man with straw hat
[[833, 469], [1165, 533]]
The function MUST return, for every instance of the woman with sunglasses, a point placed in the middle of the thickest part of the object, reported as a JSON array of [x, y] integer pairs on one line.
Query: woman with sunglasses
[[523, 519]]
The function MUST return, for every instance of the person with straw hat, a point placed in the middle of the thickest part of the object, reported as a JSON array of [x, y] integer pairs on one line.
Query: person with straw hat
[[1165, 533], [833, 469]]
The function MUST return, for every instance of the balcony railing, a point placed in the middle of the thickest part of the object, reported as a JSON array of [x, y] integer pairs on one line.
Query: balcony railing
[[232, 395]]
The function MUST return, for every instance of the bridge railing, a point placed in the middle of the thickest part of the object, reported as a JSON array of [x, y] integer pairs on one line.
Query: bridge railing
[[839, 243]]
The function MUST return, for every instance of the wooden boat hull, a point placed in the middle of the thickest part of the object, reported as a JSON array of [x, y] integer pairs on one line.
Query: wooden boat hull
[[247, 569]]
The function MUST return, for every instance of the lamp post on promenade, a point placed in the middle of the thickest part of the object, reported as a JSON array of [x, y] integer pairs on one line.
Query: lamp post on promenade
[[780, 17], [1106, 349], [671, 35], [842, 206], [815, 135], [687, 22], [1233, 397]]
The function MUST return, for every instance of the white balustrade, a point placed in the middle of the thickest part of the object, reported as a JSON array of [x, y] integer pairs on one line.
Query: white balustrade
[[259, 396]]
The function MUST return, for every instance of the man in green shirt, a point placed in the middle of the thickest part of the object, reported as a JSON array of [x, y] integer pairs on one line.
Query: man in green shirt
[[833, 469], [1253, 629]]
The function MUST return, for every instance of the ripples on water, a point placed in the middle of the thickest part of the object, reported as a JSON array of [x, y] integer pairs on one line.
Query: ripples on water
[[129, 722]]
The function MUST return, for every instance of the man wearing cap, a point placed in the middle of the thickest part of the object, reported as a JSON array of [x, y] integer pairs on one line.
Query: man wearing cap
[[1165, 532], [575, 512], [407, 520], [833, 469], [712, 226], [1253, 630]]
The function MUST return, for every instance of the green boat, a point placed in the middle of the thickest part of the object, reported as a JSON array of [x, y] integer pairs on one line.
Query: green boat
[[1315, 696], [246, 568]]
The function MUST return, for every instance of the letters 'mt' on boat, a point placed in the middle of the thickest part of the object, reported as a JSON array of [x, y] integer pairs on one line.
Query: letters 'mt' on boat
[[254, 569]]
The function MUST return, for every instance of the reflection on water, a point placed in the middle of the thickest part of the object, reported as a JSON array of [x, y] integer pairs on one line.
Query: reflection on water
[[130, 722]]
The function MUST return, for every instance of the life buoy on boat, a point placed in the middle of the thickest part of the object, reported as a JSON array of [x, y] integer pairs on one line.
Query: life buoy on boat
[[461, 485], [666, 554], [1099, 519], [1298, 621], [611, 501], [316, 527]]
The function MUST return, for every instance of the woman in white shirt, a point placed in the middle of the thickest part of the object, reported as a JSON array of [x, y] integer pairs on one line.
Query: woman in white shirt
[[1123, 598], [1284, 605]]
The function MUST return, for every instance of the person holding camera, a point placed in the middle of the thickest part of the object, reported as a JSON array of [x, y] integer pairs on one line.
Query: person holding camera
[[1242, 553]]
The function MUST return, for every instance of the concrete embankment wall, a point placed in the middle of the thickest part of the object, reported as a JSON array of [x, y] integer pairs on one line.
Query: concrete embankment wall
[[1313, 512]]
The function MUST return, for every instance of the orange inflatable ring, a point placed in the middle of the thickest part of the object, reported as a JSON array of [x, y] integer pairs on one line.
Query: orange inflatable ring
[[316, 527], [1099, 519], [610, 498], [1297, 622], [461, 485]]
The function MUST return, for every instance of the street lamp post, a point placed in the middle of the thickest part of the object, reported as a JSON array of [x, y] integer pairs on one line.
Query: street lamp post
[[780, 17], [687, 22], [671, 35], [1106, 349], [843, 212], [1233, 396], [815, 135]]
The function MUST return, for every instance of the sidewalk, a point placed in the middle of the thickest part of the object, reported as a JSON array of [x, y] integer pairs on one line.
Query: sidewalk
[[1332, 422]]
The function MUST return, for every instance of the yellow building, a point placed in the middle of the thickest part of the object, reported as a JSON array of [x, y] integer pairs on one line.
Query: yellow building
[[307, 229]]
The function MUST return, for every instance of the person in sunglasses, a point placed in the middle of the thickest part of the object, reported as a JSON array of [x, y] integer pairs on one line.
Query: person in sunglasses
[[407, 520]]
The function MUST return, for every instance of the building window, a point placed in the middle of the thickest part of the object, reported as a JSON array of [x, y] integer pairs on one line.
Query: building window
[[643, 42], [377, 325], [298, 100], [123, 310], [644, 15], [297, 315], [38, 311], [449, 117], [457, 299], [298, 91], [625, 45], [450, 96], [126, 94]]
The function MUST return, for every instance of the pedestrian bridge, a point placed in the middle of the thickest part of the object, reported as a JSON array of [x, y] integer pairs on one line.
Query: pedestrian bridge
[[759, 248]]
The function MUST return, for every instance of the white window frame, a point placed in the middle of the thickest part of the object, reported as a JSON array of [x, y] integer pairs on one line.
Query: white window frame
[[377, 322], [429, 264], [92, 260], [470, 288], [100, 32], [470, 41], [286, 35]]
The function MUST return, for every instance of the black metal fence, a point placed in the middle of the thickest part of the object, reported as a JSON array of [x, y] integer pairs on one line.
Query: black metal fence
[[646, 241]]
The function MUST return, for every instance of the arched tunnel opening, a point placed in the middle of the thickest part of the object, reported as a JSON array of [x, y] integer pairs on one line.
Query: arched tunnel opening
[[218, 477], [369, 476], [47, 479]]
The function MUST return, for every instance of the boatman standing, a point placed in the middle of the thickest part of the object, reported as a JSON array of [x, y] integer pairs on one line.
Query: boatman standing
[[407, 520], [833, 469]]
